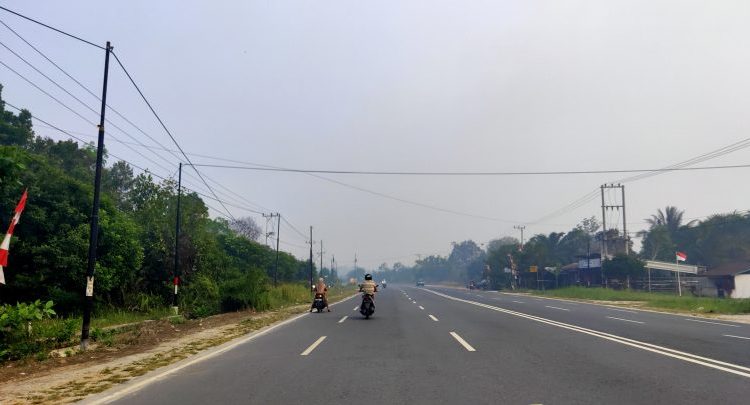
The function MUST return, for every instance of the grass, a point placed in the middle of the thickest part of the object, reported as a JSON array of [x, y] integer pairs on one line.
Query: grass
[[112, 317], [655, 300], [295, 294]]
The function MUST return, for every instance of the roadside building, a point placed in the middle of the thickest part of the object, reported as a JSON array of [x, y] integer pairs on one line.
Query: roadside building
[[730, 279]]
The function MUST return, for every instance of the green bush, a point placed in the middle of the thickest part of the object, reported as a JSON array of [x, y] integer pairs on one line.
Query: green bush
[[29, 329], [244, 290], [200, 298]]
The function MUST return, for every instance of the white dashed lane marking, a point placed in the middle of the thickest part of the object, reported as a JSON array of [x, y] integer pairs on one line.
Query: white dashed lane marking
[[463, 343], [343, 319], [561, 309], [713, 323], [625, 320], [313, 346], [433, 318]]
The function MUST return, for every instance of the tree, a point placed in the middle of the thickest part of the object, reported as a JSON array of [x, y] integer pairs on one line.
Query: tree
[[622, 266], [671, 218], [246, 227]]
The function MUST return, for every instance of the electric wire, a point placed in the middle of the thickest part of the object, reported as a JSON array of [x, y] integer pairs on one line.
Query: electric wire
[[158, 118], [52, 28]]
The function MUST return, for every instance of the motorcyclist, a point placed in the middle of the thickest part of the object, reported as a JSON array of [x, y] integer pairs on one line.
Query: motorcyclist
[[368, 286], [383, 283], [321, 289]]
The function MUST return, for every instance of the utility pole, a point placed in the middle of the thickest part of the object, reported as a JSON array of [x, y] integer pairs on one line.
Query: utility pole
[[321, 256], [311, 259], [355, 263], [278, 234], [177, 274], [93, 235], [614, 206], [520, 228], [268, 218]]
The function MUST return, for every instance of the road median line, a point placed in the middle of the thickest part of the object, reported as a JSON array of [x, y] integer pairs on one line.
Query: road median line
[[463, 343], [664, 351], [313, 346]]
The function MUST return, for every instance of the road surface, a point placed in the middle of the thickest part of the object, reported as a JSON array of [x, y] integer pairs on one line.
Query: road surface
[[441, 345]]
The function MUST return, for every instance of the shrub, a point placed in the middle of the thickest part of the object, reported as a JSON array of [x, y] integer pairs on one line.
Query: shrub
[[244, 290], [29, 329], [200, 298]]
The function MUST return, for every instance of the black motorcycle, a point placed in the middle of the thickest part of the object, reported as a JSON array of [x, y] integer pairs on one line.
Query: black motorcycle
[[318, 303], [367, 308]]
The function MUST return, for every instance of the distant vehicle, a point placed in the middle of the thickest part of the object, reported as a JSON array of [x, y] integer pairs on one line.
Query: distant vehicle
[[420, 283], [383, 284]]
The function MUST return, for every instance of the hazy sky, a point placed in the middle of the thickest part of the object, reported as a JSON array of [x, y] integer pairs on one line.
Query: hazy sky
[[413, 85]]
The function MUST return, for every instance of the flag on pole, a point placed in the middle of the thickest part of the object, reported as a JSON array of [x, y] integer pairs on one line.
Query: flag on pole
[[5, 246], [681, 256]]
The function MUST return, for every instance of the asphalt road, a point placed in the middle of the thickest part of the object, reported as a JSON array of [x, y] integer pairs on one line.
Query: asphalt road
[[439, 345]]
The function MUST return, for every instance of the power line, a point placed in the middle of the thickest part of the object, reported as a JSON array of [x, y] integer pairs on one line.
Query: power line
[[167, 130], [52, 28], [530, 173]]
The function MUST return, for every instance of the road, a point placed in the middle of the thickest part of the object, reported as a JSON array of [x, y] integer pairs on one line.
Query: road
[[440, 345]]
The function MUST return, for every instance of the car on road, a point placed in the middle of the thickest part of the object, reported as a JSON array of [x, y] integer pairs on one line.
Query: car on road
[[420, 283]]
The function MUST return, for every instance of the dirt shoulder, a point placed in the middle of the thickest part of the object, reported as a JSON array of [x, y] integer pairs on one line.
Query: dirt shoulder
[[139, 349]]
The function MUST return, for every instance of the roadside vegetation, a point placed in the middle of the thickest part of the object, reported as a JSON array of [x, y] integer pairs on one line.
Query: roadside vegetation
[[222, 265], [654, 300]]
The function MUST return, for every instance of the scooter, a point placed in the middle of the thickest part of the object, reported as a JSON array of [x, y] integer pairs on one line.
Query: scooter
[[367, 308], [318, 303]]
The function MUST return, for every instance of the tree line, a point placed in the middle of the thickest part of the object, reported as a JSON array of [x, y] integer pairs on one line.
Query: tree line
[[709, 242], [223, 267]]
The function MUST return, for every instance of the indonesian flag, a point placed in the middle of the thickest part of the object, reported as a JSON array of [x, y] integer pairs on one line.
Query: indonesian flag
[[681, 256], [5, 246]]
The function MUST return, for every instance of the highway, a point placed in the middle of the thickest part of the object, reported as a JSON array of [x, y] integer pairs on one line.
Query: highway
[[443, 345]]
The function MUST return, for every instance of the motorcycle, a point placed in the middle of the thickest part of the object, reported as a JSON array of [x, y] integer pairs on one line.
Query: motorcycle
[[367, 308], [318, 303]]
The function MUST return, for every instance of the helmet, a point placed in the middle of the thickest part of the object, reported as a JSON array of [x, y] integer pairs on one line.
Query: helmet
[[368, 276]]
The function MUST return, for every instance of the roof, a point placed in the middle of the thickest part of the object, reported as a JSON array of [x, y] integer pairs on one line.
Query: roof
[[728, 269], [571, 266]]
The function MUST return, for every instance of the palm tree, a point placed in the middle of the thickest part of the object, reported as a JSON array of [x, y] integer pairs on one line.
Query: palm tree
[[671, 218]]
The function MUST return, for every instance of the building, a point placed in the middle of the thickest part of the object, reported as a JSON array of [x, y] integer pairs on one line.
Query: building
[[730, 279]]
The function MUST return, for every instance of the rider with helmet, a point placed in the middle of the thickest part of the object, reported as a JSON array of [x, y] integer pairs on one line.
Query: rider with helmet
[[368, 286]]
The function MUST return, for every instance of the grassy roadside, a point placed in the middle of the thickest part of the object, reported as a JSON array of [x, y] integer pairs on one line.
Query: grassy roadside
[[701, 305], [102, 376]]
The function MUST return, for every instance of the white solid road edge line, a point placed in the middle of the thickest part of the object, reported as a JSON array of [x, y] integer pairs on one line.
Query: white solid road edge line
[[465, 344], [433, 318], [140, 382], [738, 337], [343, 319], [313, 346], [625, 320], [664, 351], [561, 309]]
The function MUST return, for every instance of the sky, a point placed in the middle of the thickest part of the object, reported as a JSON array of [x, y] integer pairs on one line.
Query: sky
[[409, 86]]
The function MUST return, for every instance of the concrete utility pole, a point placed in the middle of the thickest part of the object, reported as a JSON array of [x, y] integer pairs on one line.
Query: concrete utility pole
[[614, 206], [278, 233], [94, 230], [311, 259], [321, 256], [520, 228]]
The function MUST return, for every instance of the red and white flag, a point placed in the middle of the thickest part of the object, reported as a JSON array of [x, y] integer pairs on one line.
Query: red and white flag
[[5, 246], [681, 256]]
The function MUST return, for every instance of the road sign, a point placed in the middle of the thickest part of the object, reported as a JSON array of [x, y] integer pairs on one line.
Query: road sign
[[532, 269]]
